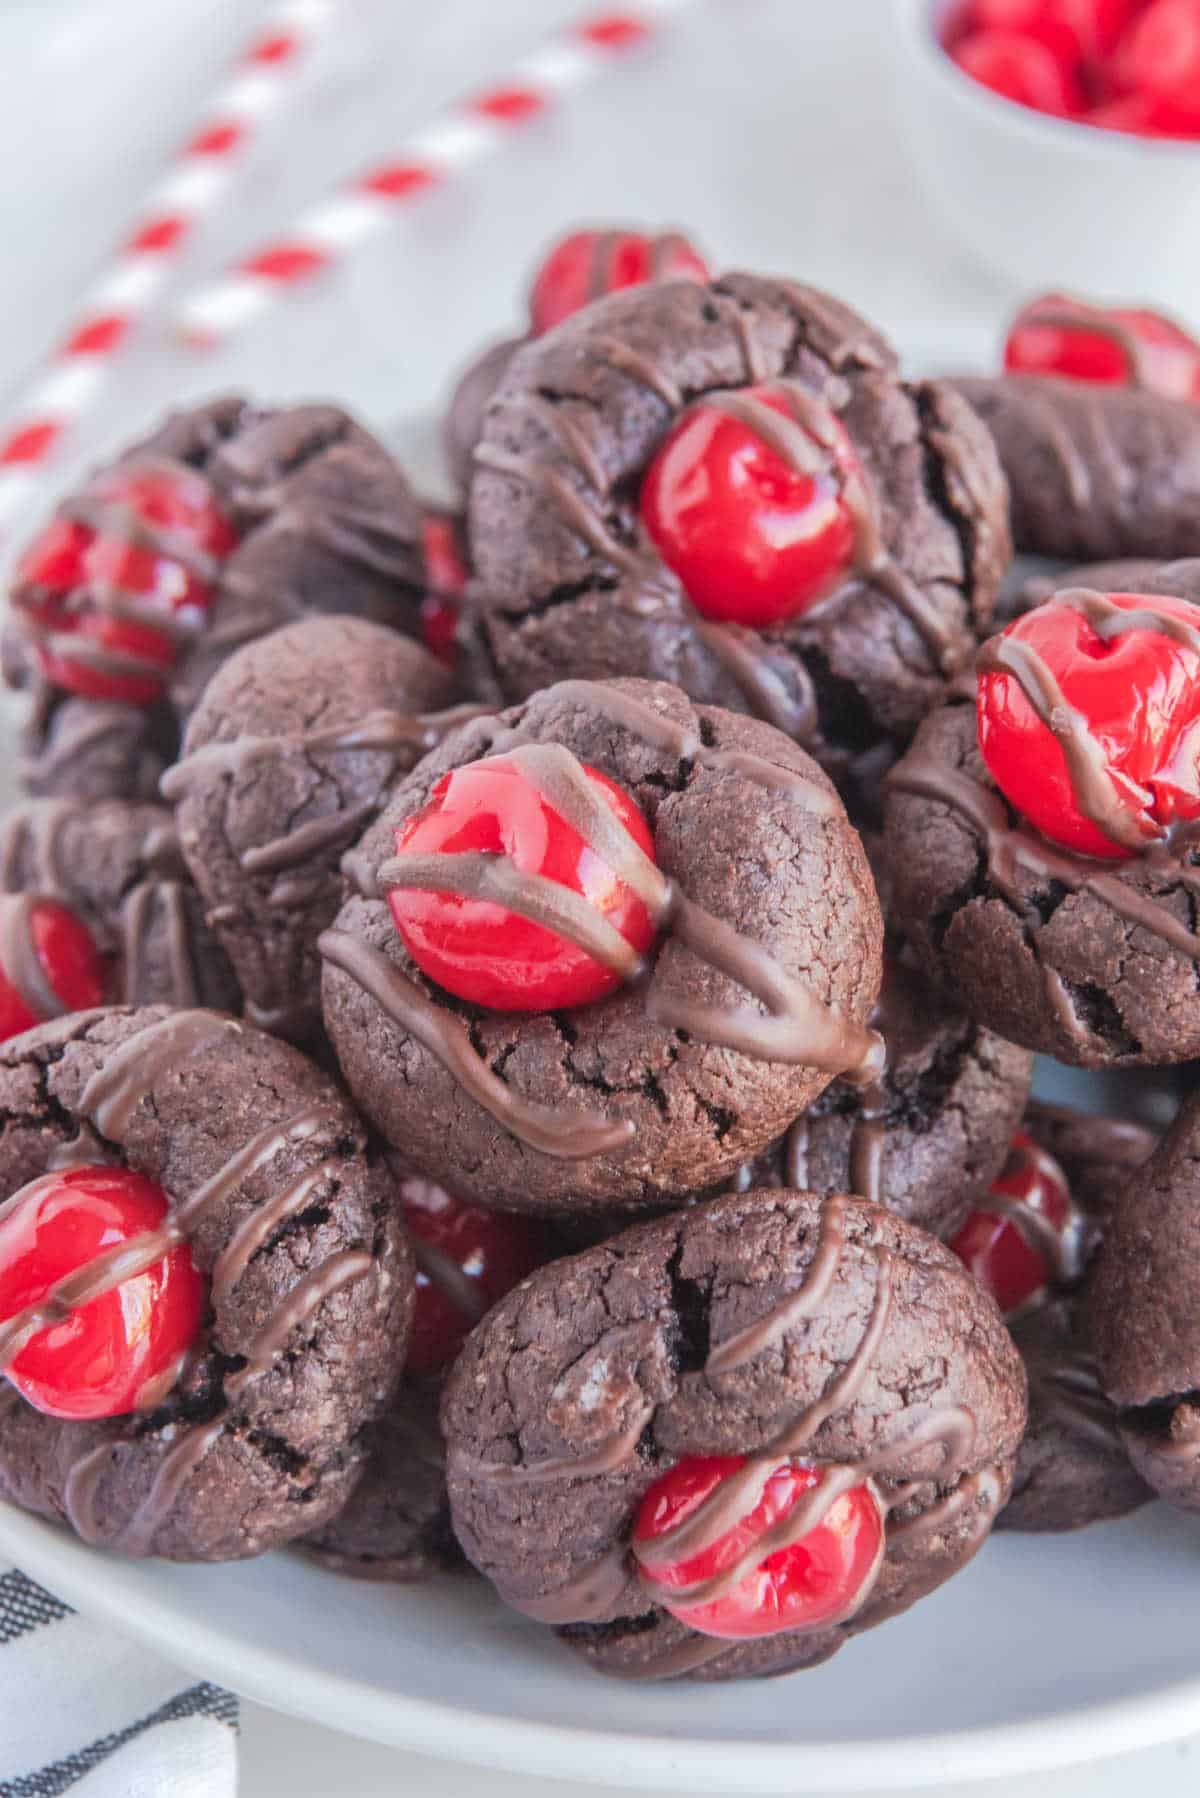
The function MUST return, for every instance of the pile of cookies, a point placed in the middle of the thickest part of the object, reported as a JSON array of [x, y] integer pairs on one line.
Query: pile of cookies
[[517, 1025]]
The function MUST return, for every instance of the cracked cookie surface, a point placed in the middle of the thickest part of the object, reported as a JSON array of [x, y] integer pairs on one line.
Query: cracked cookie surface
[[261, 1437], [982, 901], [793, 882], [289, 755], [601, 1371], [576, 419]]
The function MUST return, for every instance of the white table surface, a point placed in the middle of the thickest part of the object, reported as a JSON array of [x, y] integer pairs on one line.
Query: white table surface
[[93, 93]]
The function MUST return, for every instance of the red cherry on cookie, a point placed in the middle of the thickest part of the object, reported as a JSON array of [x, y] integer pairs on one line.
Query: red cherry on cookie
[[1056, 335], [814, 1581], [467, 1259], [748, 505], [1001, 1248], [49, 964], [1022, 69], [109, 600], [481, 950], [116, 1352], [1130, 702], [446, 572], [588, 264]]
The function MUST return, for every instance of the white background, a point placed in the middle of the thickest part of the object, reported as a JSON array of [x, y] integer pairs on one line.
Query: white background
[[774, 138]]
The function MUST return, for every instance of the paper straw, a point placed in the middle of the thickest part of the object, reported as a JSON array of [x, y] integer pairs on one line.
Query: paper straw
[[197, 178], [464, 134]]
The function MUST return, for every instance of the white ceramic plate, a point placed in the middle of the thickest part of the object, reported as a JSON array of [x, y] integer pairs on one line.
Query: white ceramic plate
[[769, 130]]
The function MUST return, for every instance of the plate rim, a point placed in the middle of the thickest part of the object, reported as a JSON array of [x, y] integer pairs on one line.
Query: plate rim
[[84, 1576]]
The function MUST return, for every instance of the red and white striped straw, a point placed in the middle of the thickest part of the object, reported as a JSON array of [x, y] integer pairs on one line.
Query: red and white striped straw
[[465, 133], [197, 178]]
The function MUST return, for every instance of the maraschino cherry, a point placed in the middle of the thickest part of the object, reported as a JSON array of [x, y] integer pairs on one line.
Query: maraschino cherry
[[482, 951], [485, 1253], [1159, 56], [1023, 69], [1001, 1251], [1057, 335], [69, 965], [116, 1352], [446, 573], [109, 605], [815, 1581], [1076, 31], [588, 264], [1131, 694], [756, 522]]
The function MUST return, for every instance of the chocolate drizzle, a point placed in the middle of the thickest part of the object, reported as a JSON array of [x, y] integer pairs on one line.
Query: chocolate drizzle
[[798, 1027], [108, 1102], [112, 519], [1012, 850], [805, 440], [593, 1593]]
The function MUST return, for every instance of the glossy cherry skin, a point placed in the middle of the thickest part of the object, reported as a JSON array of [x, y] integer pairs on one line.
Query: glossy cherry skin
[[993, 1245], [817, 1580], [1140, 695], [1159, 56], [116, 1352], [491, 1250], [483, 952], [1022, 69], [753, 540], [1075, 31], [65, 568], [446, 572], [589, 264], [1168, 359], [71, 963]]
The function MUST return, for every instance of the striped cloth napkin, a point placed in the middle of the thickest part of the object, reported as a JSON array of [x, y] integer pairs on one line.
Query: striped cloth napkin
[[85, 1712]]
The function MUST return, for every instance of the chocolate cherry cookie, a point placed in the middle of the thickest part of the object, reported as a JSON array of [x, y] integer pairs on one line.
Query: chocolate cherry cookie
[[722, 1442], [728, 486], [204, 1285], [116, 868], [1028, 1242], [1042, 842], [396, 1523], [1143, 1323], [224, 524], [930, 1133], [1094, 472], [604, 947], [578, 269], [89, 749], [1128, 574], [288, 756]]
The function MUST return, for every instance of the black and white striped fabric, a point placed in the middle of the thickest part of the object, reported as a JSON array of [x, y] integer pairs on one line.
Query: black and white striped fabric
[[83, 1711]]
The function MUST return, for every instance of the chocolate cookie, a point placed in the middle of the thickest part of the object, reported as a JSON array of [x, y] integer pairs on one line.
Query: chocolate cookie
[[396, 1523], [1091, 962], [1094, 472], [328, 523], [89, 749], [775, 1326], [117, 865], [1142, 1319], [569, 582], [1132, 574], [929, 1134], [463, 424], [288, 756], [769, 959], [1029, 1241], [309, 1282]]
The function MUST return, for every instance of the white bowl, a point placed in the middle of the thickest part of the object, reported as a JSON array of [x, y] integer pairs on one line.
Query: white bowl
[[1048, 203]]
